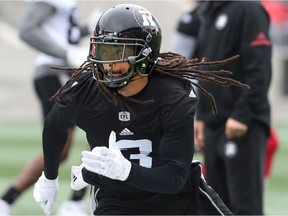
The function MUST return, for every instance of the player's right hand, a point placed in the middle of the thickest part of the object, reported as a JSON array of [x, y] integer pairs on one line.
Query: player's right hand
[[45, 193], [108, 162]]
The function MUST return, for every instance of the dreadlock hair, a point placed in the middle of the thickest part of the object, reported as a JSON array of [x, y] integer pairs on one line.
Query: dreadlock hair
[[173, 65]]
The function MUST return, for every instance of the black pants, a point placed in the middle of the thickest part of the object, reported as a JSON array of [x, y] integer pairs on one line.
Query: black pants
[[209, 202], [204, 200], [235, 167]]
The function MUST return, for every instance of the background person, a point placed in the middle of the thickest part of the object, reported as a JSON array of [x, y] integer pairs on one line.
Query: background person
[[184, 42], [234, 139]]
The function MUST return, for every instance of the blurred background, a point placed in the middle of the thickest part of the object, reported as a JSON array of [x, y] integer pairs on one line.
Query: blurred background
[[20, 119], [17, 58], [17, 99]]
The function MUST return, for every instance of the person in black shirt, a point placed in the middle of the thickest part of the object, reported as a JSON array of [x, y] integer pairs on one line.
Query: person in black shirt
[[234, 140], [137, 108]]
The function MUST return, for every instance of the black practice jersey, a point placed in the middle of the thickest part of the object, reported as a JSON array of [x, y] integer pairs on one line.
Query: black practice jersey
[[157, 137], [242, 28]]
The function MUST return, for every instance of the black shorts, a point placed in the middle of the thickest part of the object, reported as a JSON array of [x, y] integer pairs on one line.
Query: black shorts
[[45, 88]]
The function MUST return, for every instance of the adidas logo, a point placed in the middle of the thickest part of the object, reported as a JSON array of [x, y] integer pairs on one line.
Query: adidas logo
[[74, 178], [126, 132], [74, 84], [192, 94], [261, 40]]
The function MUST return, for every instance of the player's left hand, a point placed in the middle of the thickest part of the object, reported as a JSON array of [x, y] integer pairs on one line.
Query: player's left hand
[[45, 193], [77, 181], [108, 162]]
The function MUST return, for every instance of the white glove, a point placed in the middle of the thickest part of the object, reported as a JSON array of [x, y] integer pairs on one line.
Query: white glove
[[108, 162], [76, 56], [45, 193], [77, 181]]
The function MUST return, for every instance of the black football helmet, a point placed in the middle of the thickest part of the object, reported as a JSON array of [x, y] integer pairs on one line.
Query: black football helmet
[[125, 33]]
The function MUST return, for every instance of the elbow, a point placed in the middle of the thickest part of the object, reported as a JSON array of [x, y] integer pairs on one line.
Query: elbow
[[174, 190], [177, 185], [174, 179]]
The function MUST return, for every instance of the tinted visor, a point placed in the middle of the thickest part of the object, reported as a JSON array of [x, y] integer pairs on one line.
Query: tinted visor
[[112, 52], [107, 49]]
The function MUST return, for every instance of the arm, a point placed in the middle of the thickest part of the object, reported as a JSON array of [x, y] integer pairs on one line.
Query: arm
[[256, 60], [31, 32], [54, 138], [199, 127], [176, 153], [176, 149]]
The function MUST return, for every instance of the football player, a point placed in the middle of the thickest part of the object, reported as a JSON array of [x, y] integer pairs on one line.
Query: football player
[[137, 108]]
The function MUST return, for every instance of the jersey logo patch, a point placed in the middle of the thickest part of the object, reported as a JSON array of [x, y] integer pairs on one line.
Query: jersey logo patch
[[221, 21], [74, 178], [230, 149], [124, 116], [126, 132], [75, 83], [192, 93], [261, 40]]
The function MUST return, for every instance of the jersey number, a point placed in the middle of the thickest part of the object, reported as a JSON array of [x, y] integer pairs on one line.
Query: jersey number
[[145, 148]]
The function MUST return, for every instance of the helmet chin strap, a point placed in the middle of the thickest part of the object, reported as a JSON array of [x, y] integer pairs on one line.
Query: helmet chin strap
[[134, 79]]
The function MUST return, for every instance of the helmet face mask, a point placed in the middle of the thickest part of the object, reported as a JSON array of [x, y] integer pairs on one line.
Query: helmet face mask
[[125, 33], [107, 49]]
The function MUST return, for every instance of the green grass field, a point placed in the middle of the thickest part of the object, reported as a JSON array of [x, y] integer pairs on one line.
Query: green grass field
[[20, 143]]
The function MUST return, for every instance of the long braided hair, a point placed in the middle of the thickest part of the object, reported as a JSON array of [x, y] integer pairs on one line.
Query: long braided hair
[[174, 65]]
